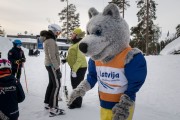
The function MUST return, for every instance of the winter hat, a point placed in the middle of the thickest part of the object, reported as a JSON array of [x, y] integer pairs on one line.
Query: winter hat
[[54, 28], [17, 42], [79, 33], [5, 67]]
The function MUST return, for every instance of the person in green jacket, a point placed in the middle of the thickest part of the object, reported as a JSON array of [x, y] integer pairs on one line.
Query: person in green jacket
[[78, 64]]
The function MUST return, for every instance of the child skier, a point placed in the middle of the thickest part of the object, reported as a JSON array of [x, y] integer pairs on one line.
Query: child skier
[[11, 92], [17, 58]]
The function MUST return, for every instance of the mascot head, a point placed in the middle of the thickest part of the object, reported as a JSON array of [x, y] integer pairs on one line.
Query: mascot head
[[107, 34]]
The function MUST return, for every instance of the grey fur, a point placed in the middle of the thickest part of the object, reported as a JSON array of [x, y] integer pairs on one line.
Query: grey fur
[[92, 12], [112, 11], [114, 36], [81, 90], [121, 109], [131, 54]]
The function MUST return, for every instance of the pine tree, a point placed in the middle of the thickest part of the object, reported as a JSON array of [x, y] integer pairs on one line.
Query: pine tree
[[122, 4], [69, 19], [146, 27], [2, 31], [25, 32], [178, 30]]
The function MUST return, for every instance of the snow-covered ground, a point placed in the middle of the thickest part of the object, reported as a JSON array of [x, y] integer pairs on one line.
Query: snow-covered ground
[[158, 99]]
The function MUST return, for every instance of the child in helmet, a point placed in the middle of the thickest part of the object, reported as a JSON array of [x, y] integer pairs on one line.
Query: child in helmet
[[17, 58], [77, 63], [11, 92]]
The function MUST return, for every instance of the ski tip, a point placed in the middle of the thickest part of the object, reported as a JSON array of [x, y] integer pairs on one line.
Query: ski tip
[[53, 115]]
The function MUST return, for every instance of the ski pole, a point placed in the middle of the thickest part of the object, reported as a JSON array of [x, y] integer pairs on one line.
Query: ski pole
[[65, 87], [61, 89], [17, 70], [64, 55], [60, 94], [61, 54], [25, 78]]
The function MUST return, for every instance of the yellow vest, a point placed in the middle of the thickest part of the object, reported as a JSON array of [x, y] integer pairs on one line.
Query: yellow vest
[[75, 58]]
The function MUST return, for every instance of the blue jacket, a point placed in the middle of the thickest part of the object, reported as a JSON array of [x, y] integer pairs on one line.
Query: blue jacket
[[135, 72], [11, 93]]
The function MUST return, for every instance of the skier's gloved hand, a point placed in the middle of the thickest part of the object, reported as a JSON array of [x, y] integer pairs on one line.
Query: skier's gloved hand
[[121, 109], [73, 74], [81, 89], [18, 62], [58, 73], [63, 61], [23, 60]]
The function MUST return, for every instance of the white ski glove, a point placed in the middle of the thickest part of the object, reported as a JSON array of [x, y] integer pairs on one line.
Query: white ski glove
[[121, 109], [73, 74], [81, 89]]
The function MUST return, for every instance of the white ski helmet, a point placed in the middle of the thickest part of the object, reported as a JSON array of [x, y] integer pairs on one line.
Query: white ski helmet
[[54, 28], [4, 63]]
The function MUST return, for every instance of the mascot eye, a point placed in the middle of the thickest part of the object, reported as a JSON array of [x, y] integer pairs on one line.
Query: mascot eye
[[98, 32]]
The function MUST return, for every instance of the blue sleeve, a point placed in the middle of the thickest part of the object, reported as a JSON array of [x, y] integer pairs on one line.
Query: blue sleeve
[[135, 72], [92, 74]]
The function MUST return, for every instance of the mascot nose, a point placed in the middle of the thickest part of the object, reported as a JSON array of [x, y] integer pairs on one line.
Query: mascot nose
[[83, 47]]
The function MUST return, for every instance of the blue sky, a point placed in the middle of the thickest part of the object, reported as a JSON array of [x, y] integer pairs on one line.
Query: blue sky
[[17, 16]]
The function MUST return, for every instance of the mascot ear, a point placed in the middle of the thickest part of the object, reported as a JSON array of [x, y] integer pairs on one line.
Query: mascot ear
[[92, 12], [112, 10]]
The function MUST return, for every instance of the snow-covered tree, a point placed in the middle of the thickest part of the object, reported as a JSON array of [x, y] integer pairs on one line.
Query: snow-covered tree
[[178, 30], [69, 19], [25, 32]]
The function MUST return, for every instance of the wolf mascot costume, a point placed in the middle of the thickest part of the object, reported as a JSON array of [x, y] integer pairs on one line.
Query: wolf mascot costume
[[119, 69]]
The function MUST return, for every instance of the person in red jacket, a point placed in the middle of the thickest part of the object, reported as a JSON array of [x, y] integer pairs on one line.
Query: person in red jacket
[[11, 92]]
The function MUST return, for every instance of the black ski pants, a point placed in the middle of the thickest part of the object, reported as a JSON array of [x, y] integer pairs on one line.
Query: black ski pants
[[52, 91], [75, 82]]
